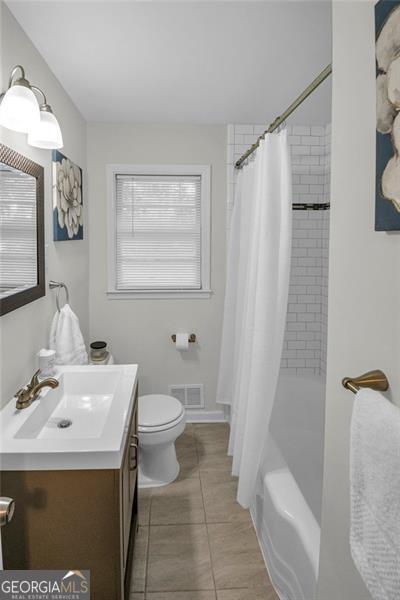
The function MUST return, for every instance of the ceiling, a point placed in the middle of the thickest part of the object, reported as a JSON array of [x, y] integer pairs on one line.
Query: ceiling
[[197, 62]]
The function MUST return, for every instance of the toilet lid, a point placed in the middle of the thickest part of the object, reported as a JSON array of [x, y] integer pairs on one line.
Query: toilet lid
[[158, 409]]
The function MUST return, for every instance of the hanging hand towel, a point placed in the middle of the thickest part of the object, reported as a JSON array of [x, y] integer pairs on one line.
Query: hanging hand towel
[[375, 493], [66, 338]]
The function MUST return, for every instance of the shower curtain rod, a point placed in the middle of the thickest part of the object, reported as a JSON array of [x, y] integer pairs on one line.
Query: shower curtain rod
[[279, 120]]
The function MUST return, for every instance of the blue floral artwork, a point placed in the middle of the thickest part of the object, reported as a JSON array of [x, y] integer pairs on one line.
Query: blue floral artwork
[[387, 196], [67, 199]]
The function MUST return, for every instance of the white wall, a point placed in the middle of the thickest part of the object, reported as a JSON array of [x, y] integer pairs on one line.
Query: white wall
[[139, 330], [25, 330], [364, 297]]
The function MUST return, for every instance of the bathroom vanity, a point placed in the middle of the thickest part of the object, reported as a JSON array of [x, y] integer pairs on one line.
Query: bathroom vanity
[[75, 487]]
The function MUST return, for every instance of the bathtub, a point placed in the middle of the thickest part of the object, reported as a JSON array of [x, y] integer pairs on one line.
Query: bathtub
[[287, 506]]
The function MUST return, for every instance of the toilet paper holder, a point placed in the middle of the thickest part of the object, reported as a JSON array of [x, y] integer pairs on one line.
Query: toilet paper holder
[[192, 338]]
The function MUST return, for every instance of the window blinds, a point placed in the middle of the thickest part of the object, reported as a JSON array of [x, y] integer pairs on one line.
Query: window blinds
[[18, 251], [158, 232]]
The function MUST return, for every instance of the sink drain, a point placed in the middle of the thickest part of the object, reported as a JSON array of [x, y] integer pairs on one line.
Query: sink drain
[[64, 423]]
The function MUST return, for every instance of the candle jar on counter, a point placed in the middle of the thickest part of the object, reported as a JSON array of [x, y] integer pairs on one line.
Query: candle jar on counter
[[99, 354]]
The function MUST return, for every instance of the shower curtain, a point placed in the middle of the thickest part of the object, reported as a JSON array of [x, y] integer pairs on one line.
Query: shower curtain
[[256, 304]]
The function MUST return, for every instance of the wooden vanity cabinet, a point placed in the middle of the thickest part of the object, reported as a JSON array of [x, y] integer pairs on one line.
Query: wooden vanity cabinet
[[128, 485], [75, 520]]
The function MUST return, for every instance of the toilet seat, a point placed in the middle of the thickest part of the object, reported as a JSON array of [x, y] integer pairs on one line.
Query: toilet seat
[[158, 412], [143, 429]]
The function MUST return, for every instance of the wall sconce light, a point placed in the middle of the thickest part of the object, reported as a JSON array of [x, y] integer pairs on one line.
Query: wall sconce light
[[20, 111], [46, 132]]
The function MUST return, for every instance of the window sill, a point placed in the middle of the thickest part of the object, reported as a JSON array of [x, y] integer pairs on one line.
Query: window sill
[[161, 295]]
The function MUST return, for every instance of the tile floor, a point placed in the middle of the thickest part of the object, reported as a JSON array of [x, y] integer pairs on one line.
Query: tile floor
[[194, 541]]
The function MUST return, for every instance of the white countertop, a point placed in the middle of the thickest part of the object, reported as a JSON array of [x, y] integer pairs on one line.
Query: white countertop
[[99, 402]]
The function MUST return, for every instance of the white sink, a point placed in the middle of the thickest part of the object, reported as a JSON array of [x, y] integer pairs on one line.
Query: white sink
[[81, 424]]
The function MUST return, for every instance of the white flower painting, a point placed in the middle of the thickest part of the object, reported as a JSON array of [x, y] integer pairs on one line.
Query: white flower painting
[[387, 18], [67, 199]]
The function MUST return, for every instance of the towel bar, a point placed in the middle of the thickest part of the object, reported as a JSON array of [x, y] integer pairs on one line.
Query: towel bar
[[58, 285], [376, 380]]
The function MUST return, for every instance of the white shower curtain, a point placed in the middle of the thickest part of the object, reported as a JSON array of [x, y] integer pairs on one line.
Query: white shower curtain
[[256, 304]]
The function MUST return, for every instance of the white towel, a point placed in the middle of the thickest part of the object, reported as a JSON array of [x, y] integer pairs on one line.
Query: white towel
[[375, 493], [66, 338]]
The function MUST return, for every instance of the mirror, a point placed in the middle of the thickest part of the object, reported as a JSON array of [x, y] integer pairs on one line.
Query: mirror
[[22, 277]]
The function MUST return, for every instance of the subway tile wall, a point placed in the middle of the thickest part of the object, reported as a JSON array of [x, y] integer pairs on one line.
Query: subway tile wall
[[304, 350]]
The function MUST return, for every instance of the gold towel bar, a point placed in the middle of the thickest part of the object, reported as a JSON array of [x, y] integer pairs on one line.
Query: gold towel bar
[[376, 380]]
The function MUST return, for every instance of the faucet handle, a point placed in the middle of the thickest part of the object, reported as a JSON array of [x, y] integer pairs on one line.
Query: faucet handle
[[34, 381]]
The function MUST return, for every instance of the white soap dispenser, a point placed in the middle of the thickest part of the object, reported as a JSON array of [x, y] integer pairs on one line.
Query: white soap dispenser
[[46, 362]]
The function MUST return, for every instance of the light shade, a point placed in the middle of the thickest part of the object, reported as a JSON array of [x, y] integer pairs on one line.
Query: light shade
[[19, 109], [46, 133]]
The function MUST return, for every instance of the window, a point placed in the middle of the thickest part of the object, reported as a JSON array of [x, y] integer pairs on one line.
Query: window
[[18, 252], [159, 230]]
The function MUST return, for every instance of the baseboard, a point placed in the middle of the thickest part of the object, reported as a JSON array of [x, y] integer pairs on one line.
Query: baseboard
[[205, 416]]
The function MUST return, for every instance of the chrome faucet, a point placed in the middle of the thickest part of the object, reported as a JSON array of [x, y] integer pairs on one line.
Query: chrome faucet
[[26, 395]]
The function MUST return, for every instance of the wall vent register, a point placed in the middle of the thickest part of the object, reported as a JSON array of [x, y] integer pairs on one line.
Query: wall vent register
[[190, 395]]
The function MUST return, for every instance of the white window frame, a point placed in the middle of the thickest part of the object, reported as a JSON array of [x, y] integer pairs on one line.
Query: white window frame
[[204, 171]]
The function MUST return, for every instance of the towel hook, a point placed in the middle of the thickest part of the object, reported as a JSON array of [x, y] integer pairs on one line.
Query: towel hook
[[59, 285], [376, 380]]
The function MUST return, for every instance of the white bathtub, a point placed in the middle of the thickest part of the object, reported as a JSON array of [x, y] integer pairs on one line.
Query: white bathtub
[[287, 508]]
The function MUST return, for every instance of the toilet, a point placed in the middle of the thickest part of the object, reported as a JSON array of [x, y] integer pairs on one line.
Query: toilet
[[161, 420]]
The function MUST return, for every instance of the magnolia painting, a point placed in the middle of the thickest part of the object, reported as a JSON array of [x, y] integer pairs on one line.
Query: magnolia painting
[[67, 199], [387, 203]]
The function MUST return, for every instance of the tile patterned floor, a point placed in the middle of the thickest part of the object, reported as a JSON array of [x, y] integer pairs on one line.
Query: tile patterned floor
[[195, 542]]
